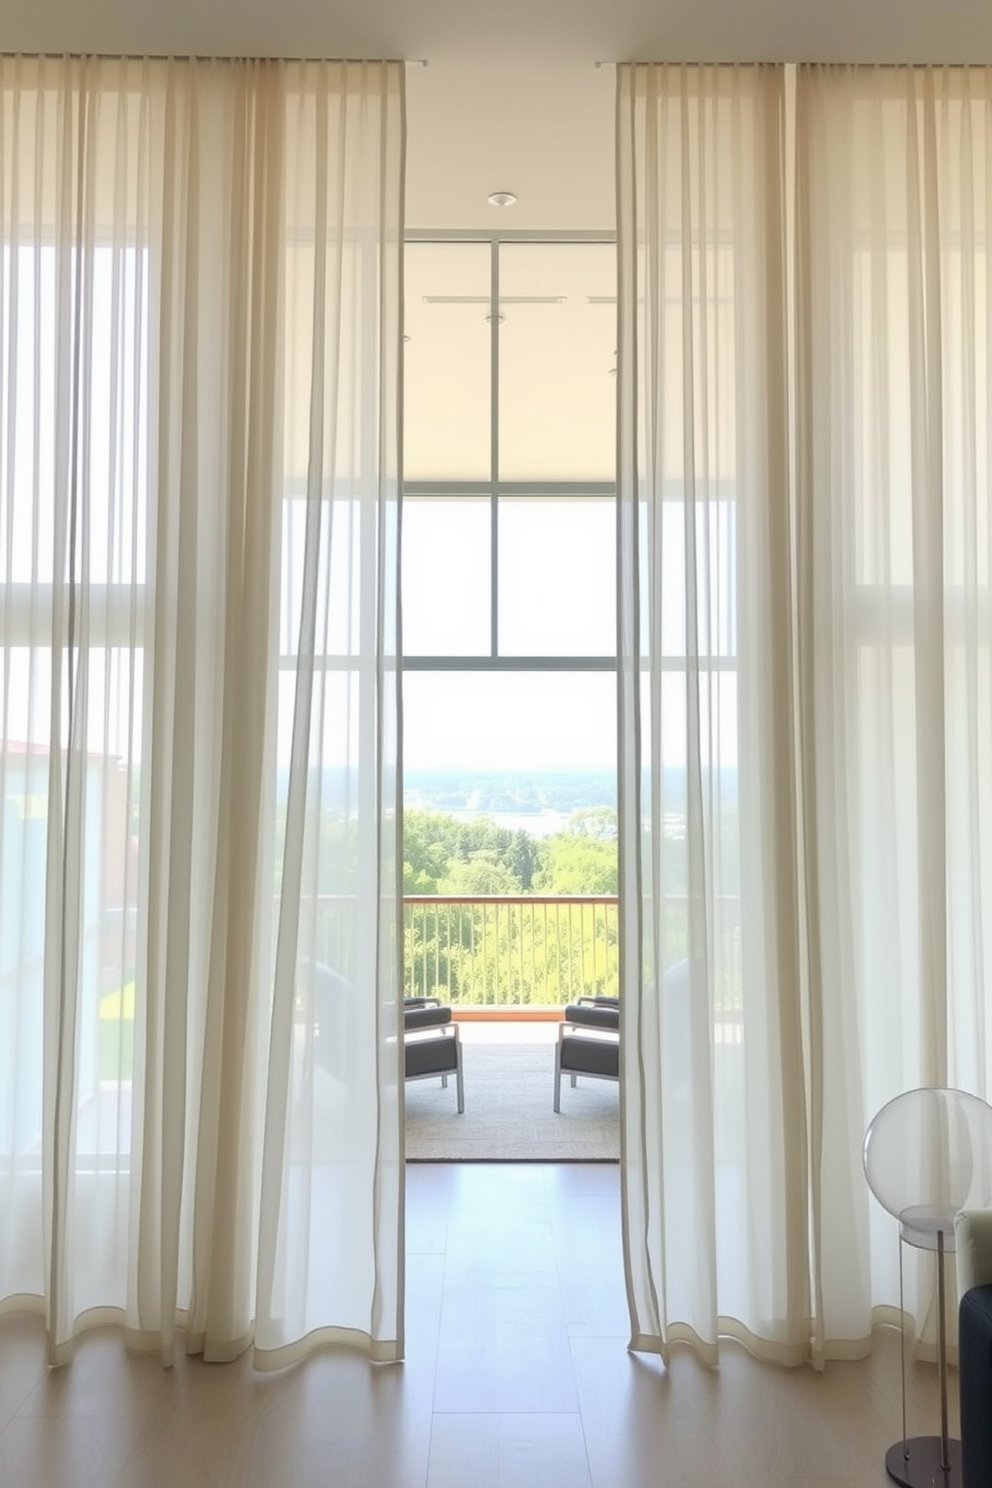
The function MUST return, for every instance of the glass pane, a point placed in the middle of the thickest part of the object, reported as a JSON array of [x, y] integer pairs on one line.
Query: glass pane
[[446, 576], [338, 563], [509, 818], [446, 392], [458, 726], [708, 320], [708, 571], [557, 577], [557, 349], [113, 433]]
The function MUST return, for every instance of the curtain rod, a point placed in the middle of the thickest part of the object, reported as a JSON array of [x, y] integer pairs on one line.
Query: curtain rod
[[792, 62], [200, 57]]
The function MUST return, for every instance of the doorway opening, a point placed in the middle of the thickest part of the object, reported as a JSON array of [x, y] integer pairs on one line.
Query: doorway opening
[[509, 670]]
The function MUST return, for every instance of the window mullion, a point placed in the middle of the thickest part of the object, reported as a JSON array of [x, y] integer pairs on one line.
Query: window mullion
[[494, 322]]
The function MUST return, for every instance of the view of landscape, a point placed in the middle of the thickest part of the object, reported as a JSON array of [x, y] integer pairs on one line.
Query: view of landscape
[[501, 794], [510, 881]]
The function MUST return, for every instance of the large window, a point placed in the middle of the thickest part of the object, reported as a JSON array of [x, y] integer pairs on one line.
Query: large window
[[509, 524]]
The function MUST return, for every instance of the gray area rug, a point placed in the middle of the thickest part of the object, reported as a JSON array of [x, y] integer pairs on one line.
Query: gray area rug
[[508, 1117]]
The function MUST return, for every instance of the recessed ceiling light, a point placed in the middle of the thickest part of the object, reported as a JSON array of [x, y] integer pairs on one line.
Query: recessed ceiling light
[[502, 199]]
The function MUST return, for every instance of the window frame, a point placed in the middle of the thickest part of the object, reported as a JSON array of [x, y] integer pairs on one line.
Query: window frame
[[497, 490]]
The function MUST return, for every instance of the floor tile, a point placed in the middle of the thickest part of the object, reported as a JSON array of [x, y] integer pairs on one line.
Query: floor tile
[[508, 1450]]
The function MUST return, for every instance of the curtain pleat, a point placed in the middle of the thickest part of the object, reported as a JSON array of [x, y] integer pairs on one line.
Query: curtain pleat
[[199, 466]]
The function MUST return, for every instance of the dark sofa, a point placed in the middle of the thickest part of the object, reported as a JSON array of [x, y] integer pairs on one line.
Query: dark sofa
[[973, 1246]]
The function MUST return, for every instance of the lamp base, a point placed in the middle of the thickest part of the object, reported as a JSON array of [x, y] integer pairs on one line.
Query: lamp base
[[915, 1463]]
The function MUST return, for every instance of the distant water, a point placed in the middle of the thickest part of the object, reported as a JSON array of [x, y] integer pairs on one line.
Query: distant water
[[534, 823], [539, 802]]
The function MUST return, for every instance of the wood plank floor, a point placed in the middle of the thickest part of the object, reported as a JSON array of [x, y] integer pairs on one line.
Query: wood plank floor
[[517, 1376]]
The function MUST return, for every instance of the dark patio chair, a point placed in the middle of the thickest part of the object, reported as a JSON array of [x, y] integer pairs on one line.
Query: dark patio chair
[[588, 1042], [432, 1044]]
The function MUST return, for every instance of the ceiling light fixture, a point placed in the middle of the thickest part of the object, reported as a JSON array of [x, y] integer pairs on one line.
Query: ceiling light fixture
[[502, 199]]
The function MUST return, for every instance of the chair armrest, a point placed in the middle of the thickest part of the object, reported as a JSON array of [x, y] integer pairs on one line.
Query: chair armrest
[[973, 1247], [425, 1017], [584, 1016]]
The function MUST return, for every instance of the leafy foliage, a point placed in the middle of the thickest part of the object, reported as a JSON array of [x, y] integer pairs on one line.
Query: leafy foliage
[[442, 855], [506, 953]]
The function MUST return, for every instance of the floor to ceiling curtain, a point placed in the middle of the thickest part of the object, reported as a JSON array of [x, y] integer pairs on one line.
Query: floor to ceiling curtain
[[713, 1145], [894, 563], [805, 675], [200, 1123]]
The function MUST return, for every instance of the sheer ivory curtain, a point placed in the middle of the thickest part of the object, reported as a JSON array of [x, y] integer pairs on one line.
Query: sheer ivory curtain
[[806, 677], [714, 1154], [200, 1120], [894, 300]]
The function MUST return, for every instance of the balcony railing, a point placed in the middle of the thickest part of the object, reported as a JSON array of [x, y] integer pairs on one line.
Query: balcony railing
[[506, 952], [533, 951]]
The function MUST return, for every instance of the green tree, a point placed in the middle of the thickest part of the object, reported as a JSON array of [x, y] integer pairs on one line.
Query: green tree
[[583, 858], [481, 873], [433, 844], [428, 842]]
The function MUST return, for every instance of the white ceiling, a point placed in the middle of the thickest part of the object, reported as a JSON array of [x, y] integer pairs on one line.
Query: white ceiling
[[446, 30], [511, 96]]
